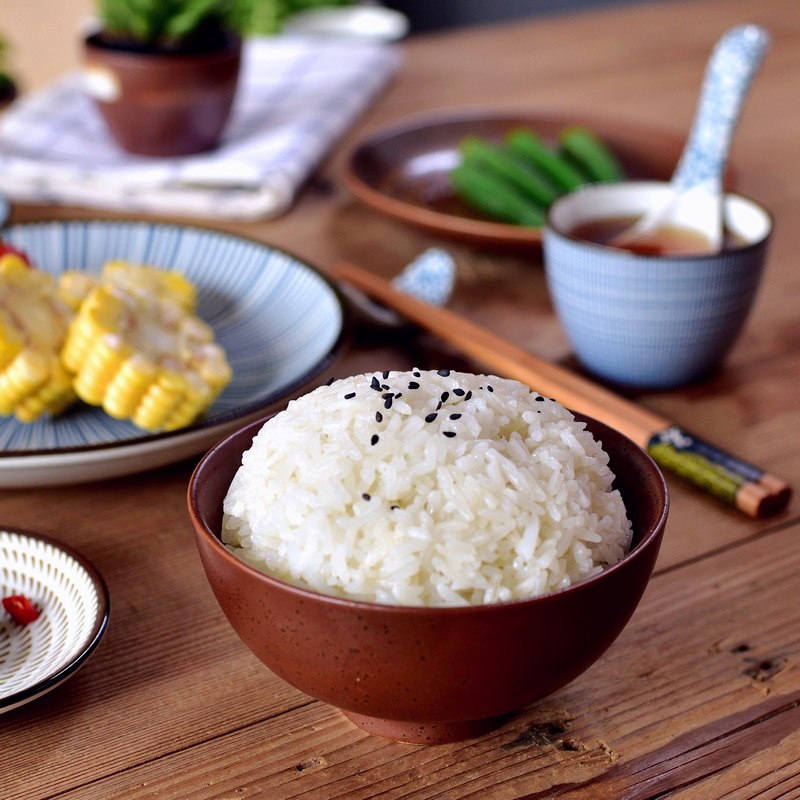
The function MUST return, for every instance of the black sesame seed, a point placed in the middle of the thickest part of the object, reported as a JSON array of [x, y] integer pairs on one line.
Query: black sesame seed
[[458, 392], [366, 496], [387, 403], [443, 372], [397, 394], [330, 380], [376, 385], [349, 395], [413, 385], [416, 374], [490, 388], [469, 394], [539, 398], [449, 434], [394, 508], [387, 394], [378, 416], [430, 417], [374, 439], [438, 405], [385, 387], [444, 397], [455, 416], [386, 374]]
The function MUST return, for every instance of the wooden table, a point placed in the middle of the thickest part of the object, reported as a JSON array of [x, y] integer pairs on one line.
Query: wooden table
[[699, 696]]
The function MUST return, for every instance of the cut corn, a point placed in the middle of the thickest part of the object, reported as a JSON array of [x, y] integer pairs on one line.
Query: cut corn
[[33, 325], [138, 351], [139, 279], [126, 339]]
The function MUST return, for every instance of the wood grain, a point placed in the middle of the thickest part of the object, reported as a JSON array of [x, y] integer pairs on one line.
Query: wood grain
[[692, 706], [699, 695]]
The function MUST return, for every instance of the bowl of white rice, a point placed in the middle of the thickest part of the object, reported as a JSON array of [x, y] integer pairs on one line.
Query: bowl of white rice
[[427, 550]]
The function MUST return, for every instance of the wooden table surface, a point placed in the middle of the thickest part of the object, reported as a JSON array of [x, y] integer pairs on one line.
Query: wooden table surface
[[699, 696]]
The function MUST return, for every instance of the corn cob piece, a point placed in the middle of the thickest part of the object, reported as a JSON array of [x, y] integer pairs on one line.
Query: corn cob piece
[[33, 325], [142, 280], [142, 355]]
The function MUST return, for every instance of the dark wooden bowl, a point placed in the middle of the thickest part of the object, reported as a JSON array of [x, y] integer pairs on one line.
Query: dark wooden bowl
[[429, 675], [401, 170], [165, 104]]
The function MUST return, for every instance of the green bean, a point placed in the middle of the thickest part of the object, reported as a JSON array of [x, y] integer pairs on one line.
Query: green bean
[[590, 155], [509, 168], [494, 197], [534, 149]]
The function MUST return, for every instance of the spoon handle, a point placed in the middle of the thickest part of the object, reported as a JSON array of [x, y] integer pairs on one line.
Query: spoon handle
[[733, 64]]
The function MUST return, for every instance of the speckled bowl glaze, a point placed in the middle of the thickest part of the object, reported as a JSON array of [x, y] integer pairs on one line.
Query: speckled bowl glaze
[[429, 675], [651, 321]]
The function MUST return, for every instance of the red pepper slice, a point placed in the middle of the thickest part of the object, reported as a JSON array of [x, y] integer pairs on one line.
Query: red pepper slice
[[20, 608], [7, 249]]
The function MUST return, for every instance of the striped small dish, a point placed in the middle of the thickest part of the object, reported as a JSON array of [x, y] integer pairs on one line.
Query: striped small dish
[[72, 600]]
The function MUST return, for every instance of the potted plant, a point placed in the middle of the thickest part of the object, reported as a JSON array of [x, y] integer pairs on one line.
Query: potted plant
[[8, 85], [164, 72]]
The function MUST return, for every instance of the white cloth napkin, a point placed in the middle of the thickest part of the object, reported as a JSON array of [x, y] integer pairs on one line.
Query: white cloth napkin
[[296, 97]]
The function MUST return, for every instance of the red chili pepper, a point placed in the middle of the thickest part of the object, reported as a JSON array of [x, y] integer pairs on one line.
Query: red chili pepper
[[7, 249], [20, 608]]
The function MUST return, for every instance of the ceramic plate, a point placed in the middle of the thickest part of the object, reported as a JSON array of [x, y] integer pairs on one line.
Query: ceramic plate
[[282, 325], [401, 170], [72, 600]]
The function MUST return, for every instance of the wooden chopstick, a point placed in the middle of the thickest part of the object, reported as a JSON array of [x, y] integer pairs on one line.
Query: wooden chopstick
[[738, 483]]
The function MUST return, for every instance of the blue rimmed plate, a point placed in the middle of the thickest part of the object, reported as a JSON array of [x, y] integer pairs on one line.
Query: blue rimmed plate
[[281, 322]]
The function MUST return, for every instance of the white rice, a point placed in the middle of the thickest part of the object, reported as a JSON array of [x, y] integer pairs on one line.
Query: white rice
[[355, 490]]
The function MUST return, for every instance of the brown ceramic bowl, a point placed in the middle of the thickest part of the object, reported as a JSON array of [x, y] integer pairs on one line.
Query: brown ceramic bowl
[[401, 169], [163, 105], [429, 674]]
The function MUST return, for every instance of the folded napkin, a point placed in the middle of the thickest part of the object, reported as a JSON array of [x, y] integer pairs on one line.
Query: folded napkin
[[296, 97]]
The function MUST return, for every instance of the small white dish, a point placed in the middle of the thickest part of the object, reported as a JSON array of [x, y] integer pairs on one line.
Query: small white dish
[[281, 322], [368, 23], [72, 600]]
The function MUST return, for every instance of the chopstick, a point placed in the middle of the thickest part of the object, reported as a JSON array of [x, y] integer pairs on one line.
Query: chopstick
[[736, 482]]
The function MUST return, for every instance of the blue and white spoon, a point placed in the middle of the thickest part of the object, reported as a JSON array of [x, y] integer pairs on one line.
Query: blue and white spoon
[[696, 201]]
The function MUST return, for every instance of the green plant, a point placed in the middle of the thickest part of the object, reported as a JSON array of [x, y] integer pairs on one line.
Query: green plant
[[171, 23], [8, 85], [268, 16], [167, 22]]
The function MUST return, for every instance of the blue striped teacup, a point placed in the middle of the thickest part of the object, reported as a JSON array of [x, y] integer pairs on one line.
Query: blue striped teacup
[[652, 321]]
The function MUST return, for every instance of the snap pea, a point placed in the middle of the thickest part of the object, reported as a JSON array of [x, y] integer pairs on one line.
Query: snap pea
[[494, 197], [533, 148], [590, 155], [509, 168]]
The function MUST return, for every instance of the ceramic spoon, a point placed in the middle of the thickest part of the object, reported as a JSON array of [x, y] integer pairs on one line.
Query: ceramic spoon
[[696, 186]]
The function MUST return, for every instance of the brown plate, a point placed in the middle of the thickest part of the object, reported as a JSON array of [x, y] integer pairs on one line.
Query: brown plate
[[401, 170]]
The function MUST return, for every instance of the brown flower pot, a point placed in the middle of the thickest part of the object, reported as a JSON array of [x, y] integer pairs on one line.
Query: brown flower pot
[[162, 104]]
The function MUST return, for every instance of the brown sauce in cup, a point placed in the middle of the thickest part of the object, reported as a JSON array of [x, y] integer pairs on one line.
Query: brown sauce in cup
[[666, 240]]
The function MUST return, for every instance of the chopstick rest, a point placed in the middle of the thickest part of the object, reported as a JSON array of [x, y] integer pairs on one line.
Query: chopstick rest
[[430, 277], [732, 480]]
